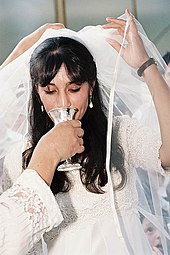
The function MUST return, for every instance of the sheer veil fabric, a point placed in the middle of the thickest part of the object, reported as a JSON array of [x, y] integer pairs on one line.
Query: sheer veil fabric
[[123, 93]]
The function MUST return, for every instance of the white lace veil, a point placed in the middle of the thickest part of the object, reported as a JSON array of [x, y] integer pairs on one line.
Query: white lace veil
[[123, 92]]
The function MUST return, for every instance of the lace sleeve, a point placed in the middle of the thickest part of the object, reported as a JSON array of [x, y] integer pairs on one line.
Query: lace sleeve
[[141, 145], [27, 210]]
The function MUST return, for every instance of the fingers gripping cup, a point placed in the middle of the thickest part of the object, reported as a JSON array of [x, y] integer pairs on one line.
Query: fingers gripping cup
[[59, 115]]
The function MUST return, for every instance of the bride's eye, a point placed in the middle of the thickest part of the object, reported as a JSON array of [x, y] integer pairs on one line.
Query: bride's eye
[[74, 90], [50, 91]]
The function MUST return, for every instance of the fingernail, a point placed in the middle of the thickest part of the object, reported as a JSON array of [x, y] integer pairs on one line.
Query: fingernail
[[109, 18]]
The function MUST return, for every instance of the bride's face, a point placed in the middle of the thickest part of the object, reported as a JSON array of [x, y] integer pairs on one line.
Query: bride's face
[[61, 92]]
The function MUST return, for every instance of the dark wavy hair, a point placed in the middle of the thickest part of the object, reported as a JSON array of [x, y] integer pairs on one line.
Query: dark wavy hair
[[45, 62], [166, 57]]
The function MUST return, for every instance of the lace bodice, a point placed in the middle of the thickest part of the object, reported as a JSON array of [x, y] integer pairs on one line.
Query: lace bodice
[[79, 206]]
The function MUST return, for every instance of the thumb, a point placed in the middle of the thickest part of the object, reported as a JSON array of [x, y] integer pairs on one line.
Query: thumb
[[116, 45]]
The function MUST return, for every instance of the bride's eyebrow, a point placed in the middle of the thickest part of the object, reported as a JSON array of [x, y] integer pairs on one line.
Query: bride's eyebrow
[[51, 84], [48, 85], [73, 82], [78, 83], [68, 83]]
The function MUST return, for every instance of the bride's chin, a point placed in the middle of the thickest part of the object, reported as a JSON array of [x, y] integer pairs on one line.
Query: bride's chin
[[79, 115]]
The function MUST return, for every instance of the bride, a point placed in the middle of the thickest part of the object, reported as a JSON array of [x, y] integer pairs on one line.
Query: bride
[[105, 72]]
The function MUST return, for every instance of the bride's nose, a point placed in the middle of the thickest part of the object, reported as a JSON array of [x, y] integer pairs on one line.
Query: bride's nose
[[63, 100]]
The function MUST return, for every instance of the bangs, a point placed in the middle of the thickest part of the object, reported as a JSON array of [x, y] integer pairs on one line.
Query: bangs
[[76, 71], [49, 67]]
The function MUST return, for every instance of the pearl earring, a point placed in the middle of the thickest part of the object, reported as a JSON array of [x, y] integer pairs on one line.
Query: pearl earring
[[90, 102], [42, 107]]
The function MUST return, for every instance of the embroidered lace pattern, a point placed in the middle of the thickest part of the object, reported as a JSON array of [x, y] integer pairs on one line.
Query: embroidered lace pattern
[[32, 206], [141, 147], [140, 144]]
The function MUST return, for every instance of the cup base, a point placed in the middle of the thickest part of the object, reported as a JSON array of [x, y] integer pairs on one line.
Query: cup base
[[69, 167]]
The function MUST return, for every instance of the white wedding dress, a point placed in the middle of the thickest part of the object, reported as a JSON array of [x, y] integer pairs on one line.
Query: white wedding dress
[[78, 222]]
